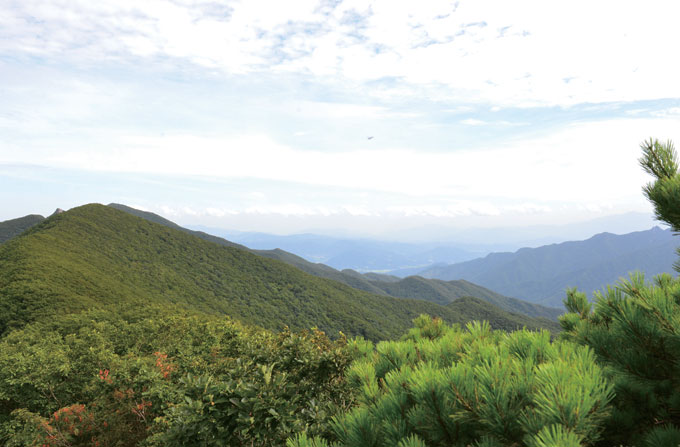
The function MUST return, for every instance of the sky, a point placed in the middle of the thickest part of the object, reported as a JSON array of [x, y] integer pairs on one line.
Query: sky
[[360, 117]]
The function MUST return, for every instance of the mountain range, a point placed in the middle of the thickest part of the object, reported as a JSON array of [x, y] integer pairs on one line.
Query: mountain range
[[541, 275], [406, 253], [96, 256]]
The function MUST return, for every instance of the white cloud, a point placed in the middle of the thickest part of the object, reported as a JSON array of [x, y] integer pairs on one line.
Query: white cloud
[[169, 211], [528, 208], [457, 208], [189, 211], [458, 109], [354, 210], [290, 209], [523, 53], [473, 122], [215, 212], [671, 112], [335, 110]]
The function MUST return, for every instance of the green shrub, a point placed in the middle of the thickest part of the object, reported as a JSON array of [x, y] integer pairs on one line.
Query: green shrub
[[154, 376]]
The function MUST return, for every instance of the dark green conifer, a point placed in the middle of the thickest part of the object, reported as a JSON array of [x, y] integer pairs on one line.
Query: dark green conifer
[[634, 328], [661, 161]]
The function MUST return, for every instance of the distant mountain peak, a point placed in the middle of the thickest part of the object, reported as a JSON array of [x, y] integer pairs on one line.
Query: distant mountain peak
[[57, 211]]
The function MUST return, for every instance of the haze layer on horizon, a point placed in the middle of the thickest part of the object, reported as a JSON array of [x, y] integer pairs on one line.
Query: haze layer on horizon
[[368, 116]]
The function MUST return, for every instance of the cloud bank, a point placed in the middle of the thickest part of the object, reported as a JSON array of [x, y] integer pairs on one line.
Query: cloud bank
[[524, 53]]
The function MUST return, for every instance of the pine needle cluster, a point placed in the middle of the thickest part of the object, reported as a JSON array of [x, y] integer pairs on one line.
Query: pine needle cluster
[[660, 160], [445, 386]]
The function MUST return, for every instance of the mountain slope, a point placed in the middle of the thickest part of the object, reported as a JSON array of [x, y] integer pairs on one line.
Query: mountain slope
[[542, 274], [477, 309], [94, 255], [411, 287], [14, 227], [444, 292], [321, 270]]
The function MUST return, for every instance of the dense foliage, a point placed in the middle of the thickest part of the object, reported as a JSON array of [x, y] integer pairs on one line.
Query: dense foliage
[[476, 309], [634, 329], [119, 379]]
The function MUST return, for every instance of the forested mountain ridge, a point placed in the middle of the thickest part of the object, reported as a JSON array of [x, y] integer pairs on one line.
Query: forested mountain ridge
[[411, 287], [93, 255], [541, 275], [440, 292]]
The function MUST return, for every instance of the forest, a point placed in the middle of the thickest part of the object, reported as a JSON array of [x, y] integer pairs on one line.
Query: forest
[[94, 353]]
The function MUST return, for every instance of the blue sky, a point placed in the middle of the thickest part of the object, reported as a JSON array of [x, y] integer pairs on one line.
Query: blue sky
[[257, 115]]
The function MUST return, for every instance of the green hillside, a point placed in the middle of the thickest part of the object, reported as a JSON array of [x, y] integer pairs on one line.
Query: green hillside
[[444, 292], [14, 227], [321, 270], [477, 309], [93, 256], [372, 276], [416, 287]]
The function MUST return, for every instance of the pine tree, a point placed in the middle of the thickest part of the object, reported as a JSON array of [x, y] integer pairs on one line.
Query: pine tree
[[634, 328]]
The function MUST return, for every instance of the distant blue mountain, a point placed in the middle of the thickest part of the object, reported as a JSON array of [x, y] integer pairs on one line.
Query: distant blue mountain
[[541, 275], [358, 254], [418, 248]]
